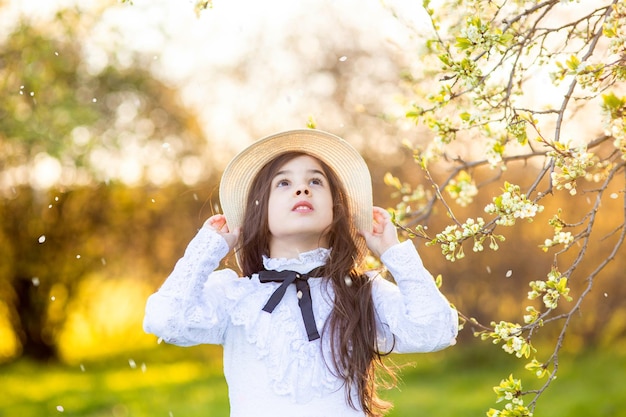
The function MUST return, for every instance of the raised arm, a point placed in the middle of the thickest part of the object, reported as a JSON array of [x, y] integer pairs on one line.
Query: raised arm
[[413, 316], [181, 312]]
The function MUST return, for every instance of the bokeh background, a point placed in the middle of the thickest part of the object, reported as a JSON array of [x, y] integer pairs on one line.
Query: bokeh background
[[115, 123]]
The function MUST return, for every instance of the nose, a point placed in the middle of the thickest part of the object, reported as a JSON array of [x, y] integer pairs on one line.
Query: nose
[[303, 189]]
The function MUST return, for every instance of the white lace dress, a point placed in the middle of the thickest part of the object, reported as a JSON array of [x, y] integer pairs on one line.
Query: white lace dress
[[271, 367]]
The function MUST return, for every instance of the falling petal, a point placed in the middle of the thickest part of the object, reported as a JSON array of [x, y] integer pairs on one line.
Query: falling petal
[[42, 238], [35, 281], [509, 273]]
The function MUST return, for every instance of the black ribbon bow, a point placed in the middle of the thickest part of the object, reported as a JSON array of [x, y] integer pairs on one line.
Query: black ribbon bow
[[304, 294]]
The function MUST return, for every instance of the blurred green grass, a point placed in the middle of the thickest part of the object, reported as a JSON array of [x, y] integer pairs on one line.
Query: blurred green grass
[[176, 382]]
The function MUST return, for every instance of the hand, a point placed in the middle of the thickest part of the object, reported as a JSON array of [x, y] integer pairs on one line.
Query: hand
[[384, 234], [218, 223]]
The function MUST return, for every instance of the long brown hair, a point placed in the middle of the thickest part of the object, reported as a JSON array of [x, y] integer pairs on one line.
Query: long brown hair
[[351, 325]]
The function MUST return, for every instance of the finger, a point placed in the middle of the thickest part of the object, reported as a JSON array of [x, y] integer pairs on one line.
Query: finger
[[381, 216], [217, 222], [216, 217], [378, 227], [367, 235], [232, 238], [382, 212]]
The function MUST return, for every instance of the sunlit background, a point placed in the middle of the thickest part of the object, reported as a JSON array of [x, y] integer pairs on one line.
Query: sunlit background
[[246, 68], [125, 115], [235, 72]]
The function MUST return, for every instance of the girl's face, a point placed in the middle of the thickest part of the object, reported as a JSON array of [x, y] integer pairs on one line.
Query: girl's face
[[300, 206]]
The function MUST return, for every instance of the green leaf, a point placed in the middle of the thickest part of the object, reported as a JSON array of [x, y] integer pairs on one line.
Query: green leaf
[[463, 43], [573, 63]]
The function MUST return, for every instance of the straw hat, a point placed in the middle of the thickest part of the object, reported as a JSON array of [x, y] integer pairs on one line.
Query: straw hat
[[338, 154]]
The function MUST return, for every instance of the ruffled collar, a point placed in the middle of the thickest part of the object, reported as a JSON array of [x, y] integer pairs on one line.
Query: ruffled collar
[[302, 264]]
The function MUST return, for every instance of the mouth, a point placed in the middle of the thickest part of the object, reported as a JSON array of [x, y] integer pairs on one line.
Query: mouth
[[302, 206]]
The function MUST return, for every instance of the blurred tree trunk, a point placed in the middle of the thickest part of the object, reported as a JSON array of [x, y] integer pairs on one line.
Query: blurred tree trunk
[[31, 311]]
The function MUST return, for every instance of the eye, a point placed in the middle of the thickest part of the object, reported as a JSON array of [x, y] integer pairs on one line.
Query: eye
[[316, 181], [282, 183]]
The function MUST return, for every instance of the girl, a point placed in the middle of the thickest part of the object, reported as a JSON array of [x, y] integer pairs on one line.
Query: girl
[[298, 210]]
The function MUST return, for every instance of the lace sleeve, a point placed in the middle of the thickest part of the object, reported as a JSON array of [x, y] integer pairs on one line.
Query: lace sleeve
[[413, 316], [181, 312]]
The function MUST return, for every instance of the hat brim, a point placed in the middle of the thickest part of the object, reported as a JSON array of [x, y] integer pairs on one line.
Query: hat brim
[[338, 154]]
